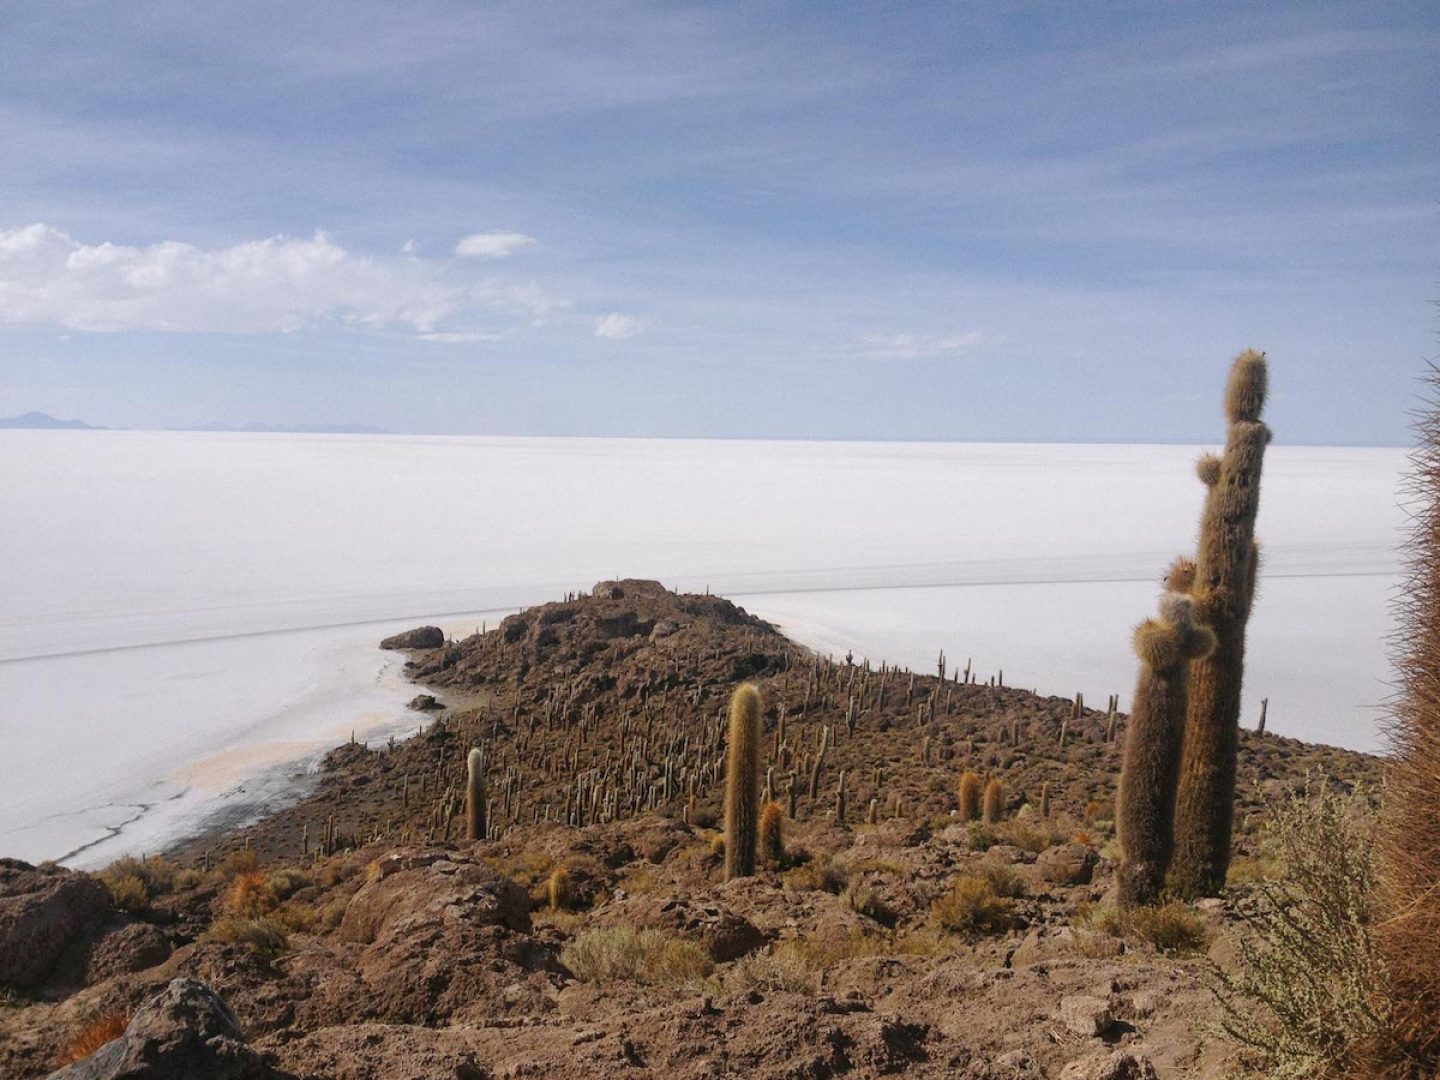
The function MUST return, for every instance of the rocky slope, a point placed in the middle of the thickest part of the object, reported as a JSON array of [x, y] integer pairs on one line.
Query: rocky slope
[[357, 934]]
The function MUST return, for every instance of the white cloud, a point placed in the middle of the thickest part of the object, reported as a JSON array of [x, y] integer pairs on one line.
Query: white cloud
[[461, 337], [922, 346], [412, 247], [492, 245], [618, 327], [280, 284]]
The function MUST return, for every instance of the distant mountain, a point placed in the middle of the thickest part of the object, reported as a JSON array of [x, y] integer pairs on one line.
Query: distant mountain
[[291, 429], [46, 421]]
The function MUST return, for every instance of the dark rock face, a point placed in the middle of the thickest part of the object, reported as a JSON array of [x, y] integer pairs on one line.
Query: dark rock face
[[184, 1032], [422, 637], [424, 703], [41, 911]]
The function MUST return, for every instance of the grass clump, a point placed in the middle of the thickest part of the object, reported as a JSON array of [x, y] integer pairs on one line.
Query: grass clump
[[1173, 928], [266, 937], [820, 874], [93, 1036], [133, 883], [973, 909], [1304, 996], [621, 953]]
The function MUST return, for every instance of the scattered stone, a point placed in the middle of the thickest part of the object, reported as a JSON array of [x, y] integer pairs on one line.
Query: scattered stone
[[1117, 1065], [424, 703], [1067, 864], [1086, 1015]]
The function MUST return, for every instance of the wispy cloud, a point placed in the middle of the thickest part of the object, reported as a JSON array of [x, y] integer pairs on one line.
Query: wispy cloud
[[923, 346], [461, 337], [492, 245], [618, 327], [279, 284]]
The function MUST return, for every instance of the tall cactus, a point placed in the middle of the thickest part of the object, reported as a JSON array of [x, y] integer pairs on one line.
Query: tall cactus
[[475, 795], [1408, 933], [742, 783], [1145, 811], [1226, 568]]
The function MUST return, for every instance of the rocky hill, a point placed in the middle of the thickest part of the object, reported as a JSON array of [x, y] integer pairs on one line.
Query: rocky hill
[[357, 933]]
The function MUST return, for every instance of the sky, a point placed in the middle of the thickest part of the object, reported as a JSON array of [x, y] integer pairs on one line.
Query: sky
[[998, 221]]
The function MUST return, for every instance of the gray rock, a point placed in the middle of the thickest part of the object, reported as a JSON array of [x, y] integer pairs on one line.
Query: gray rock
[[1067, 864], [41, 911], [1086, 1015], [422, 637], [1117, 1065], [184, 1032]]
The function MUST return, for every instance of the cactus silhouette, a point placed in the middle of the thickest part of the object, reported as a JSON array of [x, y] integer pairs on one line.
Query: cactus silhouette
[[1145, 812], [993, 801], [970, 786], [1226, 567], [772, 841], [742, 783]]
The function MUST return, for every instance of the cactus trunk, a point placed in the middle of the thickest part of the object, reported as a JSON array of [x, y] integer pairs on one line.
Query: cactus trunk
[[742, 783], [1225, 572]]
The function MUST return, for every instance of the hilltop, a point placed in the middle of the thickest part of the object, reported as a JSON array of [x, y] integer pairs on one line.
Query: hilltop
[[356, 933]]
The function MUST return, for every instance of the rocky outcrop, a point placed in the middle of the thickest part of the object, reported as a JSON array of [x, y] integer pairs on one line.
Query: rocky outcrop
[[41, 910], [723, 933], [184, 1032], [422, 637], [428, 892]]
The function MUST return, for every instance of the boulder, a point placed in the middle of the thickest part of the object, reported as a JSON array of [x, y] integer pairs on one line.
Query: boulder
[[1112, 1066], [1067, 864], [422, 637], [41, 910], [424, 703], [429, 890], [721, 932], [185, 1031], [124, 949], [1086, 1015]]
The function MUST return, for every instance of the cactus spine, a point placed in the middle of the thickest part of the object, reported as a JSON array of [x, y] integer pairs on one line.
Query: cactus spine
[[970, 796], [742, 783], [475, 795], [1226, 567], [1145, 812]]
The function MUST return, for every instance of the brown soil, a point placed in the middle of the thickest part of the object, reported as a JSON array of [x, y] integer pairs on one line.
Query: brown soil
[[602, 720]]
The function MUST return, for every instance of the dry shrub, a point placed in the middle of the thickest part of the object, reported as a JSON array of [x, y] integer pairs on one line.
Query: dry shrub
[[863, 899], [287, 881], [1303, 995], [643, 956], [93, 1036], [251, 895], [1004, 879], [133, 882], [239, 861], [1173, 928], [128, 892], [780, 969], [266, 937], [820, 874], [971, 908]]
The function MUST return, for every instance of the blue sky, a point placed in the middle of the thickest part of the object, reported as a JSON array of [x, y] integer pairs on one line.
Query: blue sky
[[923, 221]]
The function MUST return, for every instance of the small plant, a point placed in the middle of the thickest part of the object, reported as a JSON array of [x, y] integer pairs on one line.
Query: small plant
[[128, 892], [251, 895], [93, 1036], [781, 969], [1305, 995], [266, 937], [971, 908], [643, 956], [820, 874], [1173, 928]]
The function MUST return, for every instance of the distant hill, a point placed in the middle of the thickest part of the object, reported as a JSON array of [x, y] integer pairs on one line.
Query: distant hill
[[40, 420], [291, 429]]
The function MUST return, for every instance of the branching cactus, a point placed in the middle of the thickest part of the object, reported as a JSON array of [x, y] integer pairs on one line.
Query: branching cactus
[[742, 783], [1226, 566], [475, 795], [1145, 814]]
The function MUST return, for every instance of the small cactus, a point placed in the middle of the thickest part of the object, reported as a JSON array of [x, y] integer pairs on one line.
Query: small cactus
[[475, 795], [772, 841], [993, 801], [970, 787], [742, 783]]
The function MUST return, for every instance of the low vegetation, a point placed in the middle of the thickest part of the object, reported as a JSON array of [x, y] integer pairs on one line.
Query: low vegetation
[[643, 956]]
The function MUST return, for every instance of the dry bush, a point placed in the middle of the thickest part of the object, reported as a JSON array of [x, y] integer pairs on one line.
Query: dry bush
[[128, 892], [239, 861], [971, 908], [643, 956], [251, 895], [863, 899], [93, 1036], [1003, 878], [266, 937], [133, 882], [1173, 928], [287, 881], [820, 874], [781, 969], [1303, 996]]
